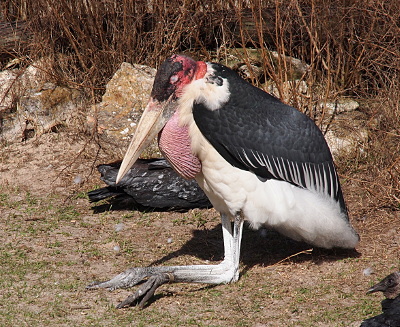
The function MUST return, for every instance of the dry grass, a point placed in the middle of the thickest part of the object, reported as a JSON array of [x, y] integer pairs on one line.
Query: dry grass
[[376, 169], [351, 48]]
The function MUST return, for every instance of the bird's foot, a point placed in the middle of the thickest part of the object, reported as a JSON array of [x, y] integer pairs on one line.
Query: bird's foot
[[132, 277]]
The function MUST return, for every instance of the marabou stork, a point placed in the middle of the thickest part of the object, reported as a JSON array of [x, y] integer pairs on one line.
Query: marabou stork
[[390, 316], [150, 184], [256, 158]]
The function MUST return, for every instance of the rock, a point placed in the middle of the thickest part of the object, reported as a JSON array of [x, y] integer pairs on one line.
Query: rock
[[249, 73], [48, 108], [8, 92], [347, 133], [289, 89], [110, 246], [119, 227], [11, 129], [122, 104], [297, 67], [368, 271], [15, 84], [250, 62], [339, 106]]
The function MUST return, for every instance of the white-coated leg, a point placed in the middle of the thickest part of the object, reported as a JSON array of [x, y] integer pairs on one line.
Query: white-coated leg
[[232, 242], [225, 272], [237, 241]]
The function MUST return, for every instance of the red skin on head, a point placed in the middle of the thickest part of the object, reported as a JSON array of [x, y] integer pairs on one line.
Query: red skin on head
[[173, 140], [191, 70], [201, 69]]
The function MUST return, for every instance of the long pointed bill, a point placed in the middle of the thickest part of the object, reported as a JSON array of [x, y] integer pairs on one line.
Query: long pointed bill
[[377, 288], [154, 118]]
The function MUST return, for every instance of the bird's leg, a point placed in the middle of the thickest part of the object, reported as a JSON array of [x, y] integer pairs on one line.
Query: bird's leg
[[225, 272], [232, 242]]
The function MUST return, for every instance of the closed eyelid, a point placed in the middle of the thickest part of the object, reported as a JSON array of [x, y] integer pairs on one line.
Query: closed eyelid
[[173, 79]]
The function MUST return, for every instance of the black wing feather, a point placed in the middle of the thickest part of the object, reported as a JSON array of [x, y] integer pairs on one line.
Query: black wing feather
[[255, 131]]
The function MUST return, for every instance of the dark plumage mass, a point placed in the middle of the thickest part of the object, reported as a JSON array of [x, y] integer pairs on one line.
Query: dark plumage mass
[[151, 184], [390, 316]]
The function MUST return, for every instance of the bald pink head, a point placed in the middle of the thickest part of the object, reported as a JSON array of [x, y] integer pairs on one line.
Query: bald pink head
[[174, 73]]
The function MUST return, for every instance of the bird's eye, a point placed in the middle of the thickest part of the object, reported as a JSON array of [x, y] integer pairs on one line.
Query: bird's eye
[[391, 282], [173, 79]]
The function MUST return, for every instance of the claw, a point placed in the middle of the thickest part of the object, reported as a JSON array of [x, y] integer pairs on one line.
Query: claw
[[96, 285], [93, 285], [129, 278], [146, 291]]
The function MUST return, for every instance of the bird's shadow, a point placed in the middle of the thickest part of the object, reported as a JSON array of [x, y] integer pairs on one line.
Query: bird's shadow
[[259, 247]]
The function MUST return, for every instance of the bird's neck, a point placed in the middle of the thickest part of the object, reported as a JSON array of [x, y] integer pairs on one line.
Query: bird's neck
[[175, 144]]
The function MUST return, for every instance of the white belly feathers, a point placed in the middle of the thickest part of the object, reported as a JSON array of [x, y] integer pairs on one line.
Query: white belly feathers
[[295, 212]]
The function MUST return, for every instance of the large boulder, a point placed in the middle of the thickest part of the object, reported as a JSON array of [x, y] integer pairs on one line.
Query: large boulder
[[51, 107], [126, 96], [14, 84]]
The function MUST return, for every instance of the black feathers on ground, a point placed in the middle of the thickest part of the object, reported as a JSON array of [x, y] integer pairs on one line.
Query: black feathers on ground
[[151, 184], [390, 316]]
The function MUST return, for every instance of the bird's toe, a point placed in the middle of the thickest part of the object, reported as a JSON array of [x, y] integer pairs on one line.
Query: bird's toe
[[146, 291]]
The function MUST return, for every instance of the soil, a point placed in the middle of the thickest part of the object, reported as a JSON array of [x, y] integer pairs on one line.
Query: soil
[[54, 243]]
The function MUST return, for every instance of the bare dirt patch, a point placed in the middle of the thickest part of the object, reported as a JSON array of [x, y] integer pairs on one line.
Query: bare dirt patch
[[54, 244]]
